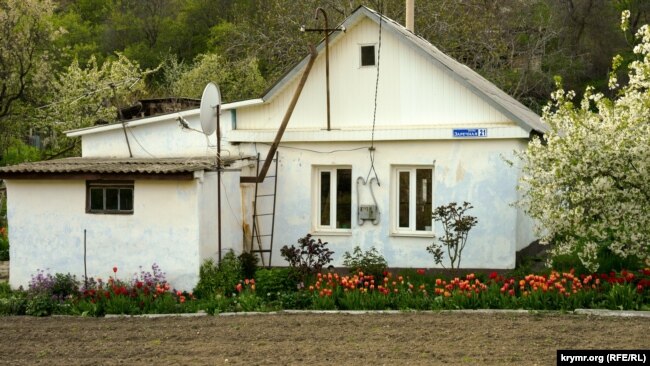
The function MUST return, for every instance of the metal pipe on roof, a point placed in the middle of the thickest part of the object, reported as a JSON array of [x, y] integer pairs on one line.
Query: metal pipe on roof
[[285, 121], [327, 62], [410, 15]]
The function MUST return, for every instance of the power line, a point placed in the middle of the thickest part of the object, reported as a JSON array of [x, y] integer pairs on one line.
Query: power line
[[371, 150]]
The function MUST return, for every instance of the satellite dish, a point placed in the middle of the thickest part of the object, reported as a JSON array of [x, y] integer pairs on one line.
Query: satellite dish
[[210, 102]]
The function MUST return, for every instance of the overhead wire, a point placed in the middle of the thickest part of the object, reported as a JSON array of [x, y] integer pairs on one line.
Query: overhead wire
[[371, 150]]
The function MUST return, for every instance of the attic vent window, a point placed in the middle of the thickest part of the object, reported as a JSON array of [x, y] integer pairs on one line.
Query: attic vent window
[[368, 55]]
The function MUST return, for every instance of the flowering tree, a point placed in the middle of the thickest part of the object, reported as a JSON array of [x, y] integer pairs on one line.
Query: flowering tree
[[83, 95], [587, 181]]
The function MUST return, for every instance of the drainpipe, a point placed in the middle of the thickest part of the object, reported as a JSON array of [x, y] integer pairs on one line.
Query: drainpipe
[[410, 15]]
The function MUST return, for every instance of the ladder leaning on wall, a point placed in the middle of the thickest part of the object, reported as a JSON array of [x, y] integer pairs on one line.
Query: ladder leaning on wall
[[264, 222]]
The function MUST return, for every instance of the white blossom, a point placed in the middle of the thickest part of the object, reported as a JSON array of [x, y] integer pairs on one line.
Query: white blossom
[[588, 185]]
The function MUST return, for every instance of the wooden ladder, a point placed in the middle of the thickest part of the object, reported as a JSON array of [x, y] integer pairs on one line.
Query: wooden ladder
[[263, 238]]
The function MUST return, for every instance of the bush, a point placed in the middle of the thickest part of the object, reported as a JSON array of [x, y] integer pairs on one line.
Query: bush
[[272, 283], [4, 245], [219, 279], [456, 226], [248, 264], [11, 302], [369, 262], [606, 262], [310, 256]]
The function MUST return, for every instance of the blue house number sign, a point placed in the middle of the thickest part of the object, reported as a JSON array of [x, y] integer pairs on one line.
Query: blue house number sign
[[470, 132]]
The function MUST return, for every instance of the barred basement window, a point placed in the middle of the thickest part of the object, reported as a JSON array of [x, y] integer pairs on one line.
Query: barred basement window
[[109, 197]]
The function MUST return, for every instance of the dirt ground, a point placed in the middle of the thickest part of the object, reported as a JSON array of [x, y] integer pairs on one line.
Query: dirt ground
[[298, 339]]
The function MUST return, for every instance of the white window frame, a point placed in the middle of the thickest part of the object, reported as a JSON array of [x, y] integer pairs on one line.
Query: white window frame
[[316, 200], [374, 45], [396, 230]]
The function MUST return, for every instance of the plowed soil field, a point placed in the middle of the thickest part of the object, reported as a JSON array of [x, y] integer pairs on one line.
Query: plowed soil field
[[315, 339]]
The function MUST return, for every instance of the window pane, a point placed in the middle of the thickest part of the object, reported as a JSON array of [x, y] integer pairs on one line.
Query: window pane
[[344, 198], [423, 199], [96, 199], [126, 199], [111, 198], [403, 199], [367, 55], [325, 198]]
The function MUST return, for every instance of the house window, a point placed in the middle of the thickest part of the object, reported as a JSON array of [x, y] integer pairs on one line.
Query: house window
[[412, 197], [368, 55], [109, 197], [333, 198]]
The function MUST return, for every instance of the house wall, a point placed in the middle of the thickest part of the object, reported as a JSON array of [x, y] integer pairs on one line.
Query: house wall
[[467, 170], [413, 91], [231, 214], [164, 139], [48, 219]]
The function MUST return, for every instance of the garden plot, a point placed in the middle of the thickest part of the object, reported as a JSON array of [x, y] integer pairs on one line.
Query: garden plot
[[372, 339]]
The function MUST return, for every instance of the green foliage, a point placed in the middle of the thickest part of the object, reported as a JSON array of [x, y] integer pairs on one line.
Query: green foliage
[[369, 262], [309, 257], [65, 286], [13, 305], [39, 305], [272, 283], [623, 297], [81, 92], [12, 302], [237, 80], [4, 245], [456, 226], [219, 279], [19, 152], [248, 263], [26, 34]]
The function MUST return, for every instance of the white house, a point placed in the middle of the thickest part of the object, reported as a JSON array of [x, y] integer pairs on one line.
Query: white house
[[438, 132]]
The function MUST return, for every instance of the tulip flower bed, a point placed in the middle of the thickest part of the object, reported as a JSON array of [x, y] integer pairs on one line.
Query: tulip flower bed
[[147, 293], [555, 291], [415, 291]]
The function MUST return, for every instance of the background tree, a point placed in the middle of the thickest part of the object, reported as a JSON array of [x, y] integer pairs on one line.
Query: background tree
[[85, 95], [237, 80], [26, 59]]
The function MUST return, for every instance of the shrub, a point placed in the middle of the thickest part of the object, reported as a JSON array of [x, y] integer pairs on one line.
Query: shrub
[[272, 283], [47, 294], [309, 257], [248, 264], [4, 244], [369, 262], [219, 279], [456, 226], [11, 302]]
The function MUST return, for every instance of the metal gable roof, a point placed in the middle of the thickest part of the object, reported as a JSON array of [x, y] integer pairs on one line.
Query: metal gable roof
[[506, 104]]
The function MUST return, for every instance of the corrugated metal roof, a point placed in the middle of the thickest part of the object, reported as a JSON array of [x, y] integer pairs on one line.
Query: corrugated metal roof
[[522, 115], [113, 166]]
